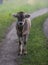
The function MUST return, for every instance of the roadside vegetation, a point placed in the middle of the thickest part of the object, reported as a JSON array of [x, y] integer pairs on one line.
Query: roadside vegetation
[[37, 44]]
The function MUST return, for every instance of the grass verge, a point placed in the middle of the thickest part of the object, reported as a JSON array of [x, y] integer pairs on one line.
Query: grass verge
[[5, 22], [37, 44]]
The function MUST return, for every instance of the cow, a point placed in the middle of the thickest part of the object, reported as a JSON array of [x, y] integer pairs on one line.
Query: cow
[[23, 26]]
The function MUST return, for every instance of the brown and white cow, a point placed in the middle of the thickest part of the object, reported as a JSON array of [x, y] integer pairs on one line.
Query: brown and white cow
[[23, 26]]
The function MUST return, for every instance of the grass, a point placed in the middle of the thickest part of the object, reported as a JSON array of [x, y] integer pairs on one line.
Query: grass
[[18, 5], [5, 21], [37, 44]]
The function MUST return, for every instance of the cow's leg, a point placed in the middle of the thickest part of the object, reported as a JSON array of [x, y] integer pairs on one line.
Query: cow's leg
[[25, 41], [25, 49], [20, 46]]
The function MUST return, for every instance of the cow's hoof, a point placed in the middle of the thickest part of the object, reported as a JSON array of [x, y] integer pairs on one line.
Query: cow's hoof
[[25, 52], [20, 54]]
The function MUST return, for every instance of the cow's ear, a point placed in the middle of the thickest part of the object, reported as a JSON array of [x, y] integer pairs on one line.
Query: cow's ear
[[27, 16], [15, 15]]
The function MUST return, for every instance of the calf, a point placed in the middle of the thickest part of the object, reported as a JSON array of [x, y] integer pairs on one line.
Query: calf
[[23, 28]]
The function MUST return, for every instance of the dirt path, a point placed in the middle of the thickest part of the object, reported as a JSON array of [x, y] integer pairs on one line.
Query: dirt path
[[8, 52]]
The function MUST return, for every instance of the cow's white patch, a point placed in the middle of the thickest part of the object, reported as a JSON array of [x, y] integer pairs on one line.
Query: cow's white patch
[[21, 49]]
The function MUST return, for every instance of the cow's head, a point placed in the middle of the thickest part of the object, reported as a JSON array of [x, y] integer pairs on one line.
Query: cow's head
[[21, 16]]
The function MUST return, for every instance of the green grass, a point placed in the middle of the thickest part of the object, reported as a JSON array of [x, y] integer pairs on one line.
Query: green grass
[[18, 5], [5, 21], [37, 44]]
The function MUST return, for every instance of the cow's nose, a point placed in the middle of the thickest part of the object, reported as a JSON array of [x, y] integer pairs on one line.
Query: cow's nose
[[21, 23]]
